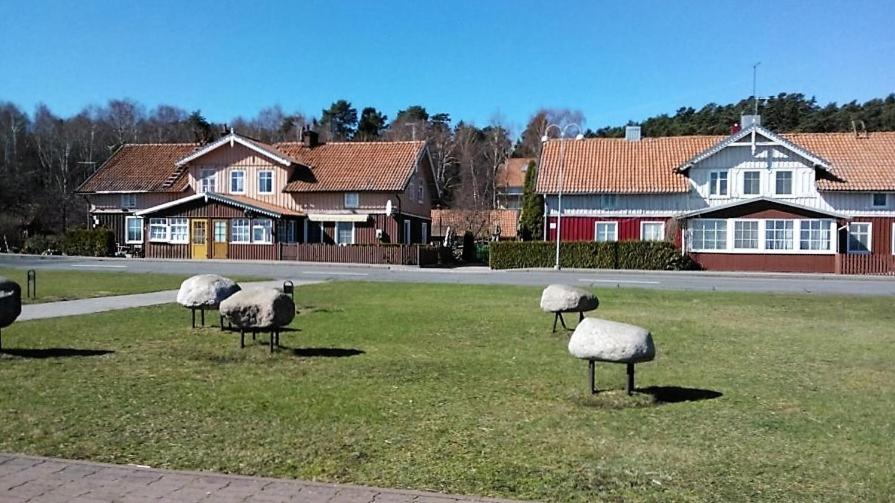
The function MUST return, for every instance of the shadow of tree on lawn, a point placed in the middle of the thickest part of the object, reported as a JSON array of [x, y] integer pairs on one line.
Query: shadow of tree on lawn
[[54, 352]]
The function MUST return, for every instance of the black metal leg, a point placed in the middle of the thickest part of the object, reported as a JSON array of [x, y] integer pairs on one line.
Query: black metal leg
[[254, 334], [561, 320], [242, 338], [222, 322], [580, 316], [555, 317], [629, 387], [193, 312], [271, 340], [591, 375], [203, 316]]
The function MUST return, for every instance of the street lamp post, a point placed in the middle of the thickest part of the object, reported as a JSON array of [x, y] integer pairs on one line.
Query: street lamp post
[[562, 152]]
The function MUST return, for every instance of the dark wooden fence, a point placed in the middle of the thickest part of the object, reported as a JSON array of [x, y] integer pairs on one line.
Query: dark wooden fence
[[419, 255], [865, 264]]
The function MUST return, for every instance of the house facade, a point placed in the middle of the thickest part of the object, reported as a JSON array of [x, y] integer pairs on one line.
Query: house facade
[[752, 201], [240, 198], [510, 182]]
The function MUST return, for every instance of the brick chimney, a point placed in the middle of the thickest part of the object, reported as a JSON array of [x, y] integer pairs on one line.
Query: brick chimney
[[309, 138]]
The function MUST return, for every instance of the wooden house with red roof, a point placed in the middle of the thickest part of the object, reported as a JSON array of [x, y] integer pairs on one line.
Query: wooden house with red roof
[[752, 201], [239, 198]]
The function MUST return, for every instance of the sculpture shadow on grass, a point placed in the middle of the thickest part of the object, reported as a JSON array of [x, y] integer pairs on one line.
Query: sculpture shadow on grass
[[677, 394], [54, 352], [325, 352]]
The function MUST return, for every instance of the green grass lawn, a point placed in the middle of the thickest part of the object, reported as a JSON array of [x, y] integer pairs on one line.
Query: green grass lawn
[[463, 389], [55, 285]]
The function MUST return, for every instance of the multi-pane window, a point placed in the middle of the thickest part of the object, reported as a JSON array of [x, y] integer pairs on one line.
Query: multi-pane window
[[237, 181], [880, 200], [352, 200], [652, 231], [344, 233], [745, 234], [751, 183], [265, 182], [606, 231], [129, 201], [778, 234], [709, 235], [261, 230], [206, 180], [783, 182], [134, 229], [180, 230], [859, 237], [239, 230], [814, 235], [286, 231], [158, 229], [718, 183]]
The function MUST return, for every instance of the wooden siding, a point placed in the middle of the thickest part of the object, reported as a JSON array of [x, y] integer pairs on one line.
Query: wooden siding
[[765, 262], [114, 222], [359, 254], [881, 235], [582, 228], [144, 200], [167, 250], [201, 209], [253, 252]]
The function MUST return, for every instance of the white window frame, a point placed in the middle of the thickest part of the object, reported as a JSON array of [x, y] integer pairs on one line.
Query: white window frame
[[159, 222], [759, 232], [715, 185], [261, 172], [424, 232], [793, 237], [726, 247], [128, 201], [207, 177], [349, 196], [234, 237], [179, 222], [231, 180], [408, 235], [614, 225], [650, 222], [127, 230], [336, 233], [265, 224], [746, 172], [824, 227], [792, 183], [869, 238], [885, 200]]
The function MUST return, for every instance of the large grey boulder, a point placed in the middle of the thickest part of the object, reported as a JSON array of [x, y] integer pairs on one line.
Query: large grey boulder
[[259, 308], [611, 341], [568, 299], [205, 291], [10, 301]]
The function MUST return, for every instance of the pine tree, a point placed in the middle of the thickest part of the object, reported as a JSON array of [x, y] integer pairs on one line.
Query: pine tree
[[531, 222]]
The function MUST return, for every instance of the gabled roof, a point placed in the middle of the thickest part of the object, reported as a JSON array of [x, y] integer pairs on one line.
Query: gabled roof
[[353, 166], [232, 139], [757, 130], [860, 164], [773, 202], [242, 202], [140, 168], [512, 172]]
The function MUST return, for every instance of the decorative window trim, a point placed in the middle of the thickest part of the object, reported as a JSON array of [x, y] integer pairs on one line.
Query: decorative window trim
[[651, 222], [272, 179], [127, 239], [230, 180], [869, 238], [614, 225], [355, 196]]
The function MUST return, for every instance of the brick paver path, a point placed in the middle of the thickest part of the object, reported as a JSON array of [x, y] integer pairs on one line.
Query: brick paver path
[[36, 479]]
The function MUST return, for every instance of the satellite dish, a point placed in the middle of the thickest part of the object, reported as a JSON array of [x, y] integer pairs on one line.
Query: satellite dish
[[388, 208]]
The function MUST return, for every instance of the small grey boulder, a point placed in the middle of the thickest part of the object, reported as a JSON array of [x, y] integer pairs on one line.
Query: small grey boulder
[[262, 308], [568, 299], [10, 301], [205, 291], [611, 341]]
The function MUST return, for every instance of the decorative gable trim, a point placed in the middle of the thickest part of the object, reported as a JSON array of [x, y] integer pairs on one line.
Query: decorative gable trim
[[233, 139], [734, 204], [774, 139]]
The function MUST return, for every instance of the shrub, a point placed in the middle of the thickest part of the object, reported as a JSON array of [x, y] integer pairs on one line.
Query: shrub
[[41, 244], [468, 247], [99, 242], [647, 255]]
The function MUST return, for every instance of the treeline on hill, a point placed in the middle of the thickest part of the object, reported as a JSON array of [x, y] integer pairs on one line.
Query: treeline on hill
[[44, 157]]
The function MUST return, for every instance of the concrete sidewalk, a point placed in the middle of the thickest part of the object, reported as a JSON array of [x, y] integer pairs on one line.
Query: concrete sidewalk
[[50, 480], [101, 304]]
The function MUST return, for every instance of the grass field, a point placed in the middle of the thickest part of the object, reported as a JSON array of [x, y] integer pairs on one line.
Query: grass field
[[463, 389], [55, 285]]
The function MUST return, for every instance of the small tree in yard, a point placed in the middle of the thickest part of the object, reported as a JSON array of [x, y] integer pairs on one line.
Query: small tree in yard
[[531, 222]]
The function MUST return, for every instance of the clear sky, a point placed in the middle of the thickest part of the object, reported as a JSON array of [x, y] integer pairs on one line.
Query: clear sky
[[614, 61]]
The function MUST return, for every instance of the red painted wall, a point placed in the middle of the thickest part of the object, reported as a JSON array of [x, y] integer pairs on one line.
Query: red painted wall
[[582, 228], [765, 262]]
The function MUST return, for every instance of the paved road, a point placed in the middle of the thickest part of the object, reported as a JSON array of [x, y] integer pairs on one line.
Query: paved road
[[664, 280], [48, 480]]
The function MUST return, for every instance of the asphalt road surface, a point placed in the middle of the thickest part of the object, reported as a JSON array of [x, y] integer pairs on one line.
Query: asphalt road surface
[[661, 280]]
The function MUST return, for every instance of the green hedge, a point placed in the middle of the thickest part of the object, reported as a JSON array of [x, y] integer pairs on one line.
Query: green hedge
[[647, 255], [99, 242]]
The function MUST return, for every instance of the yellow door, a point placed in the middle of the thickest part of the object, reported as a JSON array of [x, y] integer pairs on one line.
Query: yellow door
[[199, 238], [219, 239]]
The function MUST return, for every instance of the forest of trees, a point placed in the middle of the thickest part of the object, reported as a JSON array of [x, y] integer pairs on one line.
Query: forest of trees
[[44, 157]]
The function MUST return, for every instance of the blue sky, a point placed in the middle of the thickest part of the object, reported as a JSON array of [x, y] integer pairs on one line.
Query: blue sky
[[475, 60]]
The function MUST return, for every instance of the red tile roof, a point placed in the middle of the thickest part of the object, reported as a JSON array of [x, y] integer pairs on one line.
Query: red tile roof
[[512, 173], [482, 223], [616, 165], [350, 166], [143, 167]]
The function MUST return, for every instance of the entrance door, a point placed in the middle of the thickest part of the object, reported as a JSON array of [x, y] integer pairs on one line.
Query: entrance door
[[219, 239], [199, 238]]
